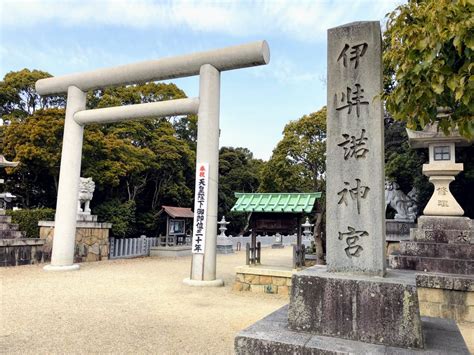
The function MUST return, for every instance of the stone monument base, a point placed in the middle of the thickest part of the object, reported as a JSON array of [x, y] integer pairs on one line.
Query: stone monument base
[[439, 244], [272, 335], [378, 310], [224, 245], [92, 238]]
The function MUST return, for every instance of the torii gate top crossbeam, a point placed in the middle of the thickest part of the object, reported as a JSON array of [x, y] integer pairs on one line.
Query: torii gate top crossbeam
[[235, 57]]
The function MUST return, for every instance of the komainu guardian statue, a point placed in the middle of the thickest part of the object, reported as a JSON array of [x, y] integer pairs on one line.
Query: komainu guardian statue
[[86, 191], [405, 206]]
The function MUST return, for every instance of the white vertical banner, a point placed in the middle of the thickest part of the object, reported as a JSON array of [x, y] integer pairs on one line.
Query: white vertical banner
[[200, 207]]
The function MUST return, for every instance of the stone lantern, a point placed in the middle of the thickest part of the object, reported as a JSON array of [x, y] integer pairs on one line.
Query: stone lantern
[[5, 196], [224, 243], [307, 228], [441, 169]]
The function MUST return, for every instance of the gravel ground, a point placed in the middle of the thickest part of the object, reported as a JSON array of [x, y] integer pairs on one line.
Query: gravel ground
[[130, 306]]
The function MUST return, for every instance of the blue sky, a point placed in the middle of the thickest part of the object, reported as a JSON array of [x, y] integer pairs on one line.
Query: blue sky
[[69, 36]]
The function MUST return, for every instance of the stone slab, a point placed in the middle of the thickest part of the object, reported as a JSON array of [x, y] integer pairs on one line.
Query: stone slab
[[11, 234], [79, 224], [271, 335], [449, 266], [379, 310], [9, 226], [444, 223], [266, 270], [445, 281], [355, 172], [459, 236], [397, 230], [437, 250], [5, 219], [21, 242]]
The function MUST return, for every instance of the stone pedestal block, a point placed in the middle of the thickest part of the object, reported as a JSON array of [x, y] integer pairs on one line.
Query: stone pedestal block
[[361, 308], [92, 238], [272, 336], [439, 244], [397, 230], [224, 245]]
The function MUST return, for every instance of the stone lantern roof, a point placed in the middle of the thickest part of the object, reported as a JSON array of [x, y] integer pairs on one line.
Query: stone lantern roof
[[432, 134]]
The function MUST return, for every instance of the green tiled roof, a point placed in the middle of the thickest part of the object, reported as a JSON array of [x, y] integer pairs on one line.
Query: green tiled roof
[[275, 202]]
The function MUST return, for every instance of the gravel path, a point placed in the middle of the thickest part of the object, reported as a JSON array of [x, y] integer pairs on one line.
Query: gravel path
[[131, 306], [128, 306]]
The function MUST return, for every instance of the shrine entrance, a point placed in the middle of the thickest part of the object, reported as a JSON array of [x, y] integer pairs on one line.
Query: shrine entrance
[[275, 213], [279, 214]]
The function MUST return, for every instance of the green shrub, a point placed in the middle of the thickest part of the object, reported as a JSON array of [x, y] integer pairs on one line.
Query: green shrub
[[120, 214], [28, 219]]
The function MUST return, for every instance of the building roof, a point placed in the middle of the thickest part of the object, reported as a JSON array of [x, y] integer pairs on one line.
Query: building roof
[[275, 202], [178, 212]]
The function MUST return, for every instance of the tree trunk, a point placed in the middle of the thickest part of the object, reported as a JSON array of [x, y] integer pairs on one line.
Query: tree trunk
[[318, 241]]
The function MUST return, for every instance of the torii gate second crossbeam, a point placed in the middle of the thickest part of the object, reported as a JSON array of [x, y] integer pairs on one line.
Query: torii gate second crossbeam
[[208, 66]]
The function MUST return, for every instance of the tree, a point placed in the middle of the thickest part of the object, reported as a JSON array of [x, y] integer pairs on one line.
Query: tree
[[429, 48], [238, 172], [137, 165], [18, 97], [298, 162], [36, 144]]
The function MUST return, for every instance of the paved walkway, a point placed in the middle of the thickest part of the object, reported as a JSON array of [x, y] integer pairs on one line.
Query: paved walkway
[[128, 306]]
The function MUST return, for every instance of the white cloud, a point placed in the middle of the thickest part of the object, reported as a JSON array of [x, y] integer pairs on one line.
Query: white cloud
[[297, 19]]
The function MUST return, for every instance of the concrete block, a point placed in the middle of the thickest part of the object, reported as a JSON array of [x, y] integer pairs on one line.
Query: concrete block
[[240, 277]]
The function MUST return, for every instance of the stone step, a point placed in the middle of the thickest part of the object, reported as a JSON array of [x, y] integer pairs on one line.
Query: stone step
[[11, 234], [437, 250], [445, 223], [461, 236], [5, 219], [419, 263], [9, 226]]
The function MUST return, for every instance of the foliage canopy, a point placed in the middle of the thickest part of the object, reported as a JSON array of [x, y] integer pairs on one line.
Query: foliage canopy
[[429, 48]]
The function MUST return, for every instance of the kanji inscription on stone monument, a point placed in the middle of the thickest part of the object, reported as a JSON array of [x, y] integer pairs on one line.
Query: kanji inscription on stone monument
[[355, 164]]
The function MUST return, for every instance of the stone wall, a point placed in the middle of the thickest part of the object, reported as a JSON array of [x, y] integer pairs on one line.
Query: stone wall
[[263, 280], [446, 296], [92, 240]]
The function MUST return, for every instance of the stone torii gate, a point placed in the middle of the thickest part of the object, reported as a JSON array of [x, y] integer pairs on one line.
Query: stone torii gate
[[208, 66]]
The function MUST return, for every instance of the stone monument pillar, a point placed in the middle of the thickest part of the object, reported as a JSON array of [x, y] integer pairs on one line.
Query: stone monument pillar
[[349, 308], [355, 151]]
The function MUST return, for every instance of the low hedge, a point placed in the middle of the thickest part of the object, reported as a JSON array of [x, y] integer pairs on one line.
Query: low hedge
[[28, 219]]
